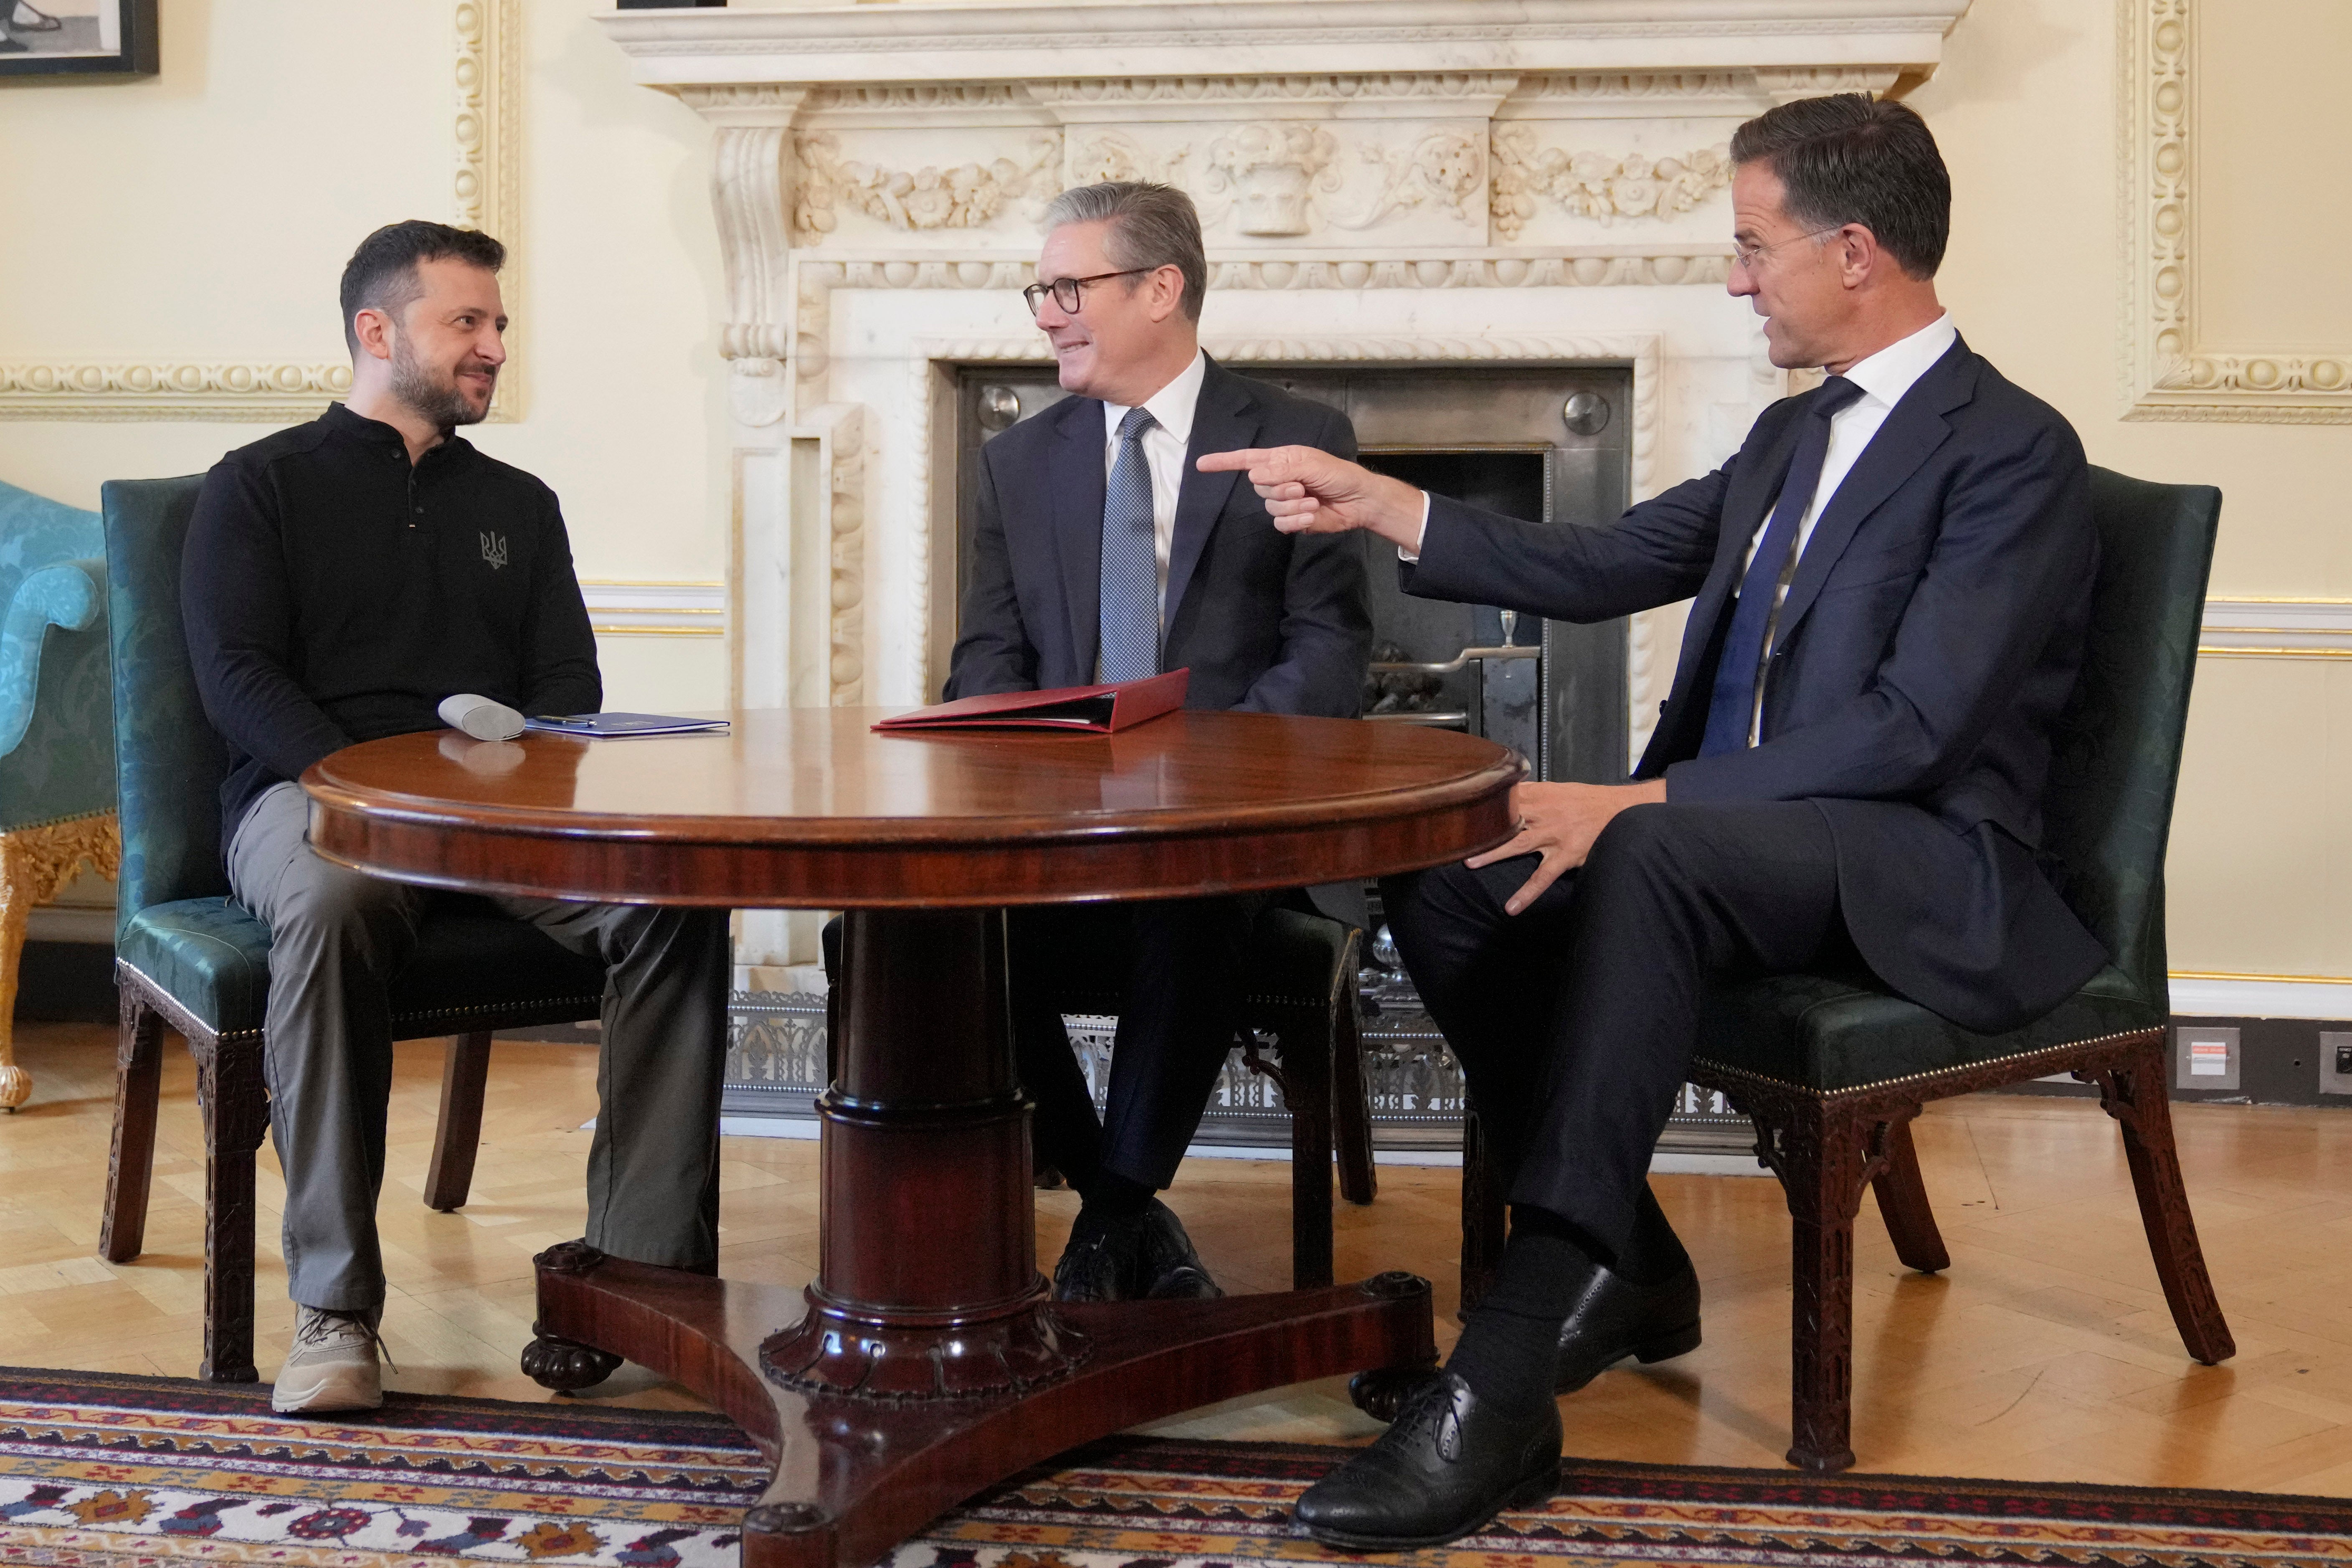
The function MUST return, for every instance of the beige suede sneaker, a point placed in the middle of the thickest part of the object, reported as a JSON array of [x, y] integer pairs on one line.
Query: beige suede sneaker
[[333, 1363]]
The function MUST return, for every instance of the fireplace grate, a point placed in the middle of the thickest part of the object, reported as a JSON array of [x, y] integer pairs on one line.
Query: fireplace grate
[[776, 1068]]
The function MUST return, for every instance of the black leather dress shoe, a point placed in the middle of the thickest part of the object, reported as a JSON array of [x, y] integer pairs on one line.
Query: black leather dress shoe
[[1165, 1262], [1451, 1462], [1612, 1317], [1131, 1258], [1097, 1263]]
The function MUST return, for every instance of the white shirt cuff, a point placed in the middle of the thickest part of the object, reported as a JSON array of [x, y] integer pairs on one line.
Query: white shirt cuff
[[1412, 555]]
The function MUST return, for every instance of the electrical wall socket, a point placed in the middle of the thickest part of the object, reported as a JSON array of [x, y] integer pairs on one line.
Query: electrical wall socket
[[2205, 1058], [2335, 1061]]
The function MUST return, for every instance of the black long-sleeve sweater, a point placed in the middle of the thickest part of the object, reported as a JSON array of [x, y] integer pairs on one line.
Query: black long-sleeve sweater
[[335, 593]]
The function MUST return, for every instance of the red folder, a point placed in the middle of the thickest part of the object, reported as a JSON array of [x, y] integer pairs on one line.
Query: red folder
[[1086, 709]]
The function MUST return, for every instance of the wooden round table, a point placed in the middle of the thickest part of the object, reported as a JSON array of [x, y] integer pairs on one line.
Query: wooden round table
[[927, 1360]]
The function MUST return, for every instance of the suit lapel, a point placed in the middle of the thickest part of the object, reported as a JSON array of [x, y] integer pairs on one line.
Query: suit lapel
[[1077, 484], [1223, 420], [1914, 428]]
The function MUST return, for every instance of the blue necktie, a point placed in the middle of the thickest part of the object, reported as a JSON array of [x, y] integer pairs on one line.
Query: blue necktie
[[1130, 561], [1732, 708]]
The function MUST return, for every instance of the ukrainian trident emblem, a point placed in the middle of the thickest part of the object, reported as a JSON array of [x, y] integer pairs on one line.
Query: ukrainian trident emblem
[[494, 549]]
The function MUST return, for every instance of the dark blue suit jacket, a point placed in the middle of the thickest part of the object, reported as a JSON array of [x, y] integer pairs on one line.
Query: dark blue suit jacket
[[1930, 638], [1266, 621]]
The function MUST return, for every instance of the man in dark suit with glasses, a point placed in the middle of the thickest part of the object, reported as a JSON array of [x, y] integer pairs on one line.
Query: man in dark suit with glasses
[[1100, 552]]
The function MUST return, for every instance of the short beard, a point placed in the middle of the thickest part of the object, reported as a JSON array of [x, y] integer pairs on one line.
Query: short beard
[[438, 401]]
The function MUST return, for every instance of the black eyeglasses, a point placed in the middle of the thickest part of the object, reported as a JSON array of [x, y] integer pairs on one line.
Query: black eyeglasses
[[1067, 291]]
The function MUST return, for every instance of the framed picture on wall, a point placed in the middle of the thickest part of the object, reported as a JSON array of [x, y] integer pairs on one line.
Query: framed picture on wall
[[77, 38]]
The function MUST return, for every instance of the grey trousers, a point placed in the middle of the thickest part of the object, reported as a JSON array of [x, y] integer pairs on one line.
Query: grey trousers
[[337, 937]]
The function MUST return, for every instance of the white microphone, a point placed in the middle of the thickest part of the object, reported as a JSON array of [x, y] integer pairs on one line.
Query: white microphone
[[480, 718]]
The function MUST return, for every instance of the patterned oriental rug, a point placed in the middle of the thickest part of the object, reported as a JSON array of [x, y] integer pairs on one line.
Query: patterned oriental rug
[[131, 1472]]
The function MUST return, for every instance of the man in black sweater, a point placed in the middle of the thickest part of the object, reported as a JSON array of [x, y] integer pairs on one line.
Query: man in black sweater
[[340, 579]]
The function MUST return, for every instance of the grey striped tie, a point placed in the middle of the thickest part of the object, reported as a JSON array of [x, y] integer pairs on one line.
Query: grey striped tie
[[1130, 609]]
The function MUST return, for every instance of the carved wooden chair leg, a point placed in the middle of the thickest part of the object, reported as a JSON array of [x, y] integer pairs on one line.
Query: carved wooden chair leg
[[1817, 1148], [228, 1084], [1903, 1204], [1307, 1090], [1483, 1222], [17, 896], [2137, 1097], [464, 1073], [1351, 1109], [138, 1081]]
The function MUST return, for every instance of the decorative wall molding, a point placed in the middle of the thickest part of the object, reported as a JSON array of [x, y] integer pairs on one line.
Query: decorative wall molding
[[169, 389], [1130, 99], [621, 608], [966, 197], [485, 194], [897, 104], [1595, 184], [1786, 84], [2276, 628], [840, 430], [2168, 372], [488, 185]]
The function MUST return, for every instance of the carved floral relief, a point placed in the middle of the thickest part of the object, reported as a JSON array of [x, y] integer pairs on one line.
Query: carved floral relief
[[1598, 185], [1444, 169], [968, 195], [1108, 155]]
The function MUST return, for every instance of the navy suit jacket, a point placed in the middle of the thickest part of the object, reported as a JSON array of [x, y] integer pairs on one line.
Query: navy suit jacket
[[1266, 621], [1930, 636]]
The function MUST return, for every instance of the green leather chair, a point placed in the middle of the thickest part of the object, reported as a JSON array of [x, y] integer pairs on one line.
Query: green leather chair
[[1832, 1069], [188, 955], [56, 733]]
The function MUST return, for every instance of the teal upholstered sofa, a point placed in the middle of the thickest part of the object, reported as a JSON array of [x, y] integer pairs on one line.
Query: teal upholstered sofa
[[56, 726]]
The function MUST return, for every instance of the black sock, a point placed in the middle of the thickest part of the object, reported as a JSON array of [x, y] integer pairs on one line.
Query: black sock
[[1509, 1349], [1654, 1253], [1107, 1196]]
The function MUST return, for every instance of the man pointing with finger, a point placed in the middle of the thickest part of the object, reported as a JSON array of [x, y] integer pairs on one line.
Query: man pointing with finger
[[1891, 584]]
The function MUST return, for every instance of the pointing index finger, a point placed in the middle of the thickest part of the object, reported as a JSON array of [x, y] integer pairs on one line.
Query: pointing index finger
[[1223, 462]]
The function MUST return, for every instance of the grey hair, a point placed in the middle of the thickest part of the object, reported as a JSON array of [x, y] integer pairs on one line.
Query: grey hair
[[1151, 226]]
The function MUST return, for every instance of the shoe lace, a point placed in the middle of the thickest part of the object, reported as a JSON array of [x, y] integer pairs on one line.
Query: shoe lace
[[322, 1323], [1426, 1409]]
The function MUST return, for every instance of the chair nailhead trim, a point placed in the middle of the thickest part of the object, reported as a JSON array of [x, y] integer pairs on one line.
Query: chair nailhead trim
[[1729, 1071]]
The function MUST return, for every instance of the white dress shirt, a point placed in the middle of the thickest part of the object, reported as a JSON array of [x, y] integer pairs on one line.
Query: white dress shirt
[[1164, 445], [1883, 378]]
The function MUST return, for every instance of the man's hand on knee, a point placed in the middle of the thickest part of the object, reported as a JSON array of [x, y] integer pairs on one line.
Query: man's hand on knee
[[1559, 822]]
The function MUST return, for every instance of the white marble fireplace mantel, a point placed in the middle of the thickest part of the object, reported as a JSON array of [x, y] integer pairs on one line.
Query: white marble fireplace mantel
[[973, 40], [1380, 181]]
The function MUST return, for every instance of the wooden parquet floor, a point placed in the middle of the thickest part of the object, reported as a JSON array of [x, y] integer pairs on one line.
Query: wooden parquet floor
[[2044, 1353]]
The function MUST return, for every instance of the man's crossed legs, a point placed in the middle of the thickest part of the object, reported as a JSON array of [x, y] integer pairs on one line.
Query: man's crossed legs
[[337, 938], [1575, 1022]]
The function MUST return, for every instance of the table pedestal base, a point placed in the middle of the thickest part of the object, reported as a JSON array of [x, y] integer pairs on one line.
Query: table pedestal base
[[855, 1473]]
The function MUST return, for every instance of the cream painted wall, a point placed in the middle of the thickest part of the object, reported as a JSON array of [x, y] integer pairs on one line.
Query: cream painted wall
[[2025, 109], [206, 213]]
